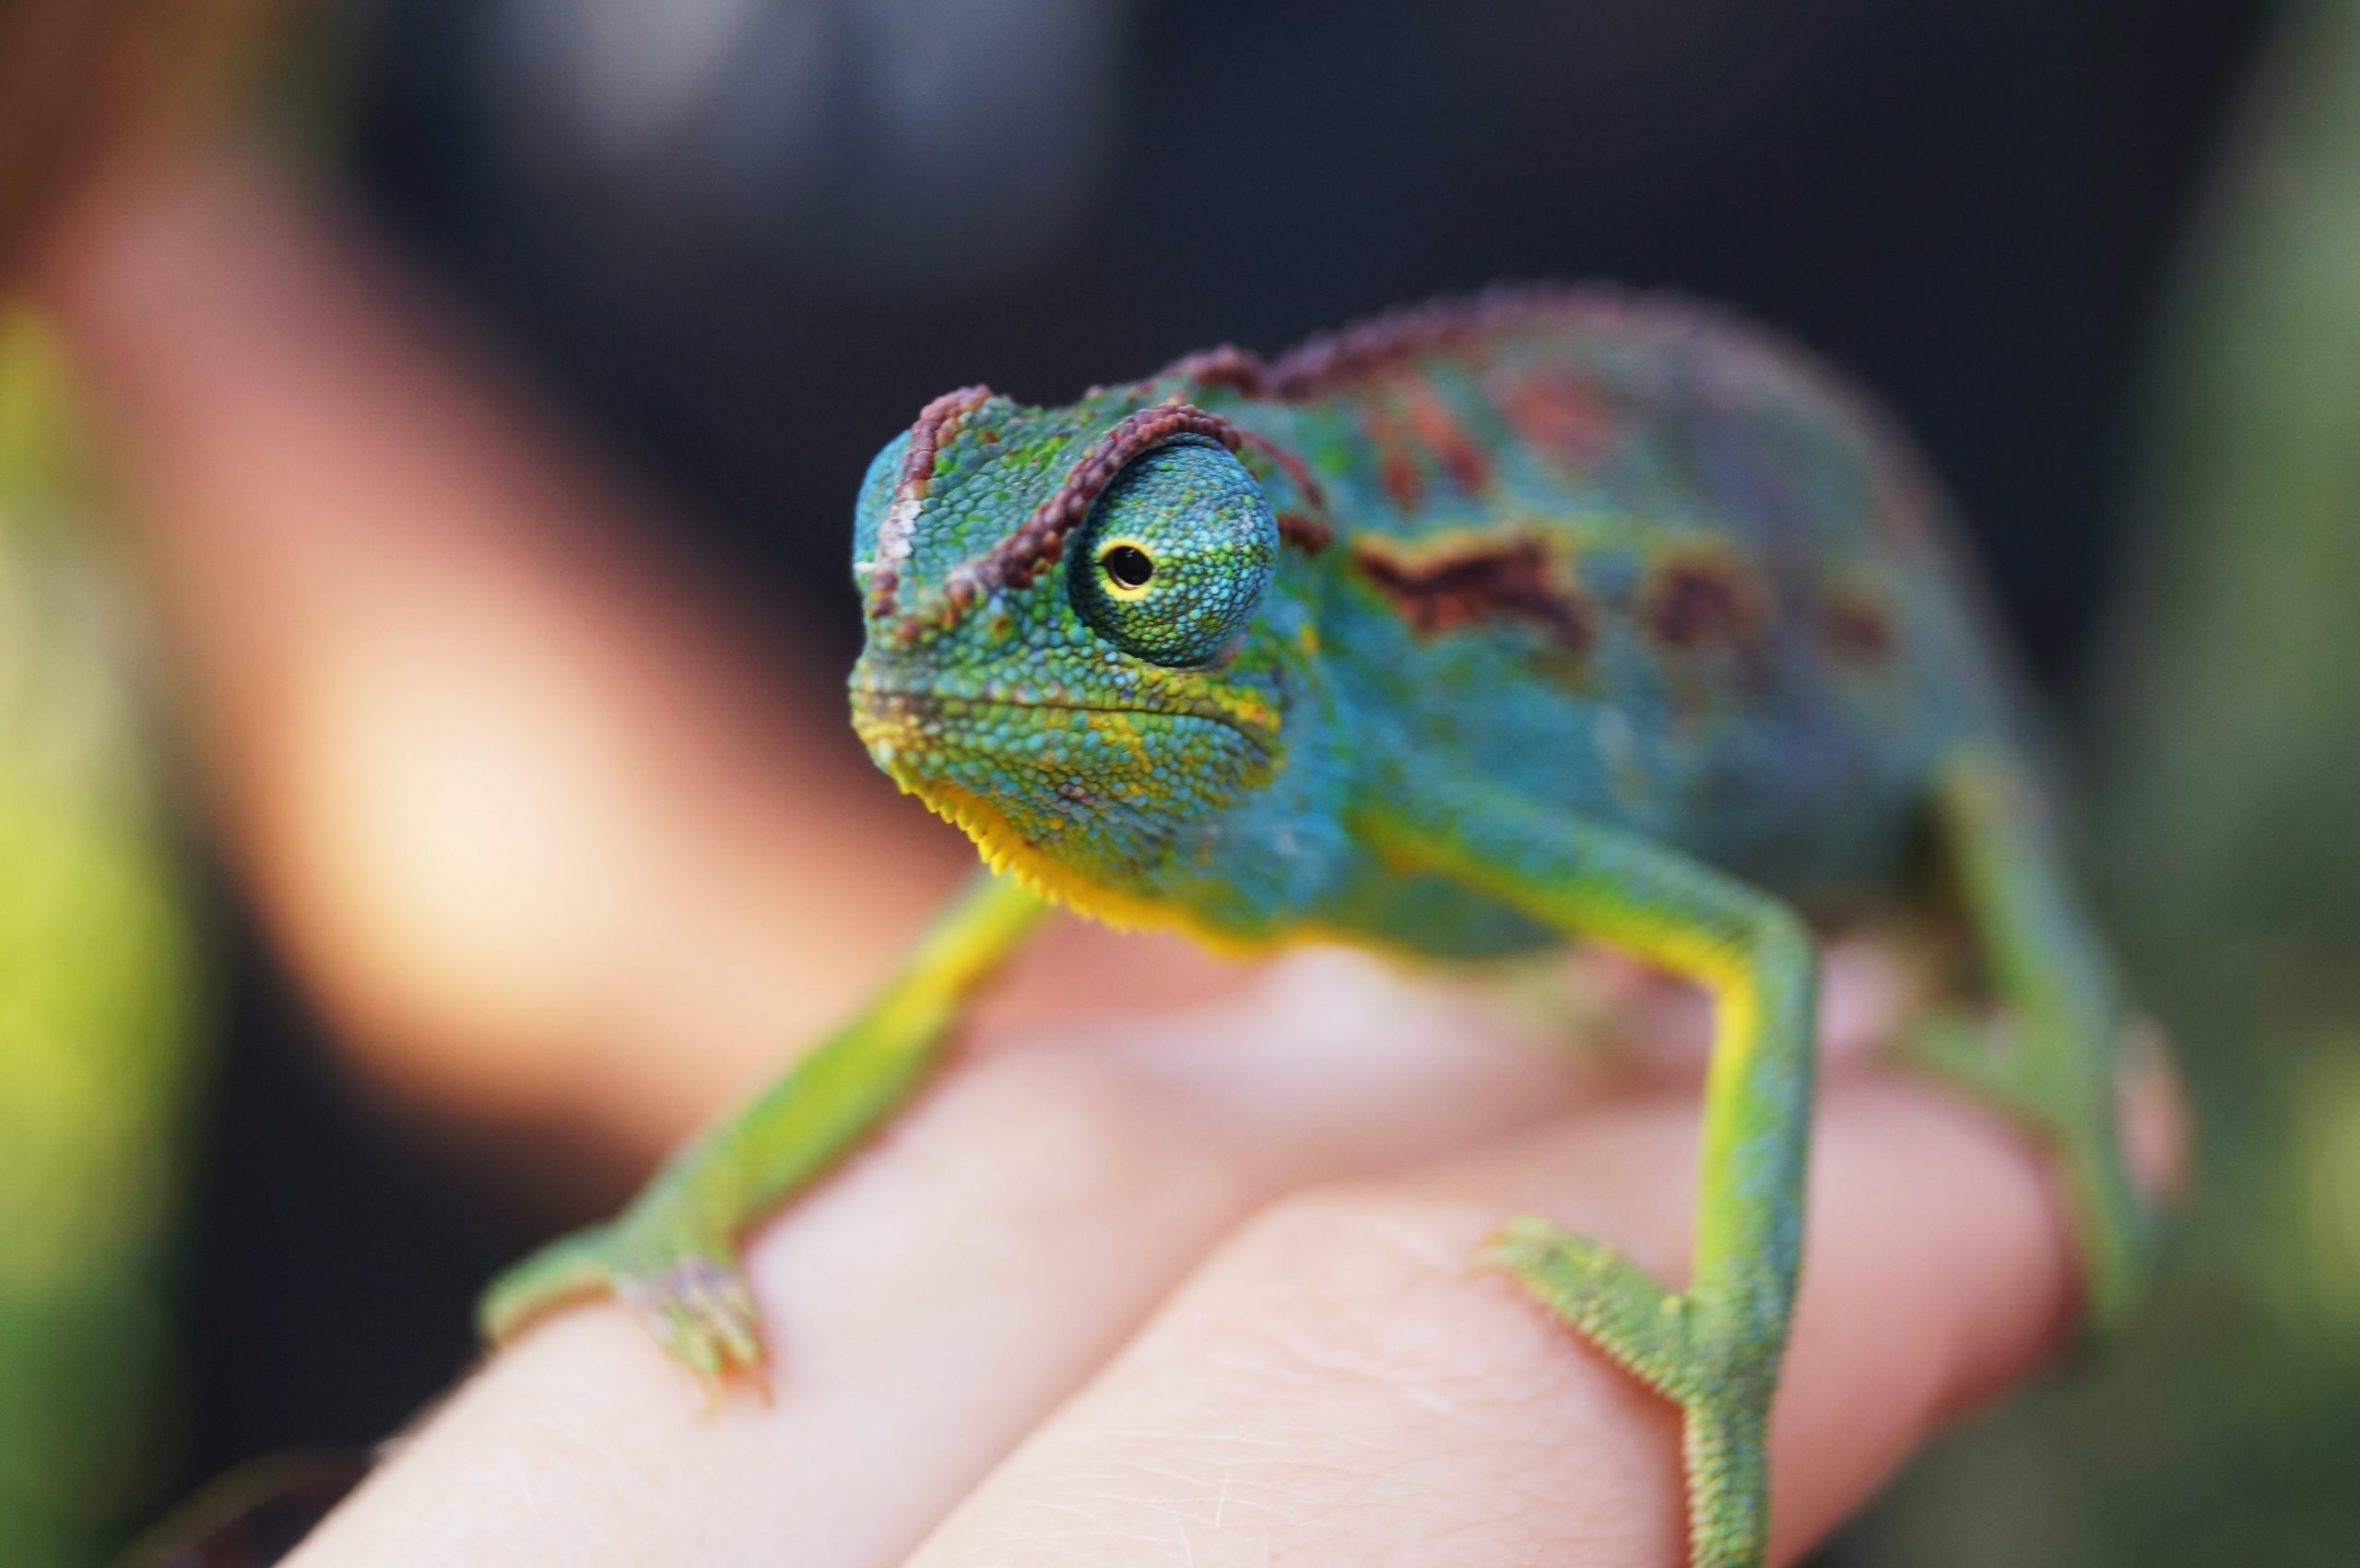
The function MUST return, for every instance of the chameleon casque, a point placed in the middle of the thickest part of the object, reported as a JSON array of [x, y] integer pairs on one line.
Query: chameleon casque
[[1549, 615]]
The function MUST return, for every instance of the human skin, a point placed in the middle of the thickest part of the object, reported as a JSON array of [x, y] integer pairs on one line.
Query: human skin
[[1147, 1277], [1194, 1291]]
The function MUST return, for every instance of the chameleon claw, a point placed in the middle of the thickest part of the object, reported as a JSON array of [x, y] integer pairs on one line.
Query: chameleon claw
[[1596, 1290], [700, 1310]]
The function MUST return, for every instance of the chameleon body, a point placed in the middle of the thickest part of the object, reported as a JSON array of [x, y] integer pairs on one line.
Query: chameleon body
[[1480, 626]]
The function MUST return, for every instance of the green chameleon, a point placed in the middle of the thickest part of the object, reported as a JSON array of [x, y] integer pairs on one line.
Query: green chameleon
[[1477, 628]]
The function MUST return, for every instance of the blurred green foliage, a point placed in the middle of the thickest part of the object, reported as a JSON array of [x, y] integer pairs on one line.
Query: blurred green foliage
[[2227, 722], [97, 993]]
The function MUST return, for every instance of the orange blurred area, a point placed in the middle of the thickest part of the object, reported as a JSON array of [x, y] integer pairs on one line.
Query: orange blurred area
[[557, 837], [514, 798], [79, 80]]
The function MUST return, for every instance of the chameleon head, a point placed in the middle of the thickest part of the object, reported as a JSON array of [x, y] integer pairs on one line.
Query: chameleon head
[[1074, 650]]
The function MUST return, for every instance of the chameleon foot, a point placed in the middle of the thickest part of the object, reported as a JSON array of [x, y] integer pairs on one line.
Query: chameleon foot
[[700, 1311], [1655, 1335], [2063, 1095], [2050, 1066], [689, 1295]]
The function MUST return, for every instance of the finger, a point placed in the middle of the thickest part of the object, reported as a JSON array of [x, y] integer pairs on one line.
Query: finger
[[1335, 1386], [943, 1293]]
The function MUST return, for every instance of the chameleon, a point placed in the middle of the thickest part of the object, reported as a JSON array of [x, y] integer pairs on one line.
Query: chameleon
[[1549, 615]]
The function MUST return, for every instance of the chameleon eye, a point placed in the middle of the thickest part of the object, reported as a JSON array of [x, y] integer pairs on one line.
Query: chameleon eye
[[1175, 554], [1127, 566]]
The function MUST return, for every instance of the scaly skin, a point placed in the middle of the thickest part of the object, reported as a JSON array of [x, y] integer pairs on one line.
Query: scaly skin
[[1478, 627]]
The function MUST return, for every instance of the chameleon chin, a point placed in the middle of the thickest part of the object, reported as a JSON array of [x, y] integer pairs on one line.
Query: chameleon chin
[[1551, 616]]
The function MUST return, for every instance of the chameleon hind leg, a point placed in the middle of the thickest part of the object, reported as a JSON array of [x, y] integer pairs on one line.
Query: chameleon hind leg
[[671, 1255], [2052, 1069], [1714, 1349]]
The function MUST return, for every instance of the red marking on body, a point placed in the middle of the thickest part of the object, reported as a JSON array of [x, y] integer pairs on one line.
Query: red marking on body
[[1476, 583], [1558, 413], [1701, 601], [1310, 534], [1558, 408], [1396, 464], [1227, 365], [1859, 629], [1462, 457]]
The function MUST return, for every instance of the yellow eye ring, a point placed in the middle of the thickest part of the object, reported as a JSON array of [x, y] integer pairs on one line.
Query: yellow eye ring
[[1127, 568]]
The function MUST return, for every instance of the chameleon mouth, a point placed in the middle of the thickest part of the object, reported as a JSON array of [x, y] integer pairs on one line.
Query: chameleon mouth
[[1060, 816], [902, 726], [918, 737]]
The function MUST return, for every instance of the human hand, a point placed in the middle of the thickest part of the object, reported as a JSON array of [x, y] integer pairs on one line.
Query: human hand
[[1194, 1290]]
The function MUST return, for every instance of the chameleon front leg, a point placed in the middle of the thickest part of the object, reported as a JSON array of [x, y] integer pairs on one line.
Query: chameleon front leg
[[672, 1254], [2053, 1071], [1716, 1348]]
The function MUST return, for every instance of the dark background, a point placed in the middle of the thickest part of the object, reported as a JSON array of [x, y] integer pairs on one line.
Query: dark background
[[739, 245]]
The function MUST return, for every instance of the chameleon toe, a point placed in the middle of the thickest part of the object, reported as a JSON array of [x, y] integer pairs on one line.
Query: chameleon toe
[[698, 1309], [1651, 1332]]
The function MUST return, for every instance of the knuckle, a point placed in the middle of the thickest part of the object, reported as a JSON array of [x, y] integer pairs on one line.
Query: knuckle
[[1336, 1355]]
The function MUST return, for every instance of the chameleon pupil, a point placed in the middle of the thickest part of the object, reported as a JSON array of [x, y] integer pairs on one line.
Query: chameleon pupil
[[1129, 566]]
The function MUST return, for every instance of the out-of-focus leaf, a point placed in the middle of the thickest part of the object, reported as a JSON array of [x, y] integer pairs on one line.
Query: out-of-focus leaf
[[96, 988]]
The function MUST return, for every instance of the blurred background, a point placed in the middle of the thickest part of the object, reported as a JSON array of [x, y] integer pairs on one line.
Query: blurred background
[[428, 431]]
